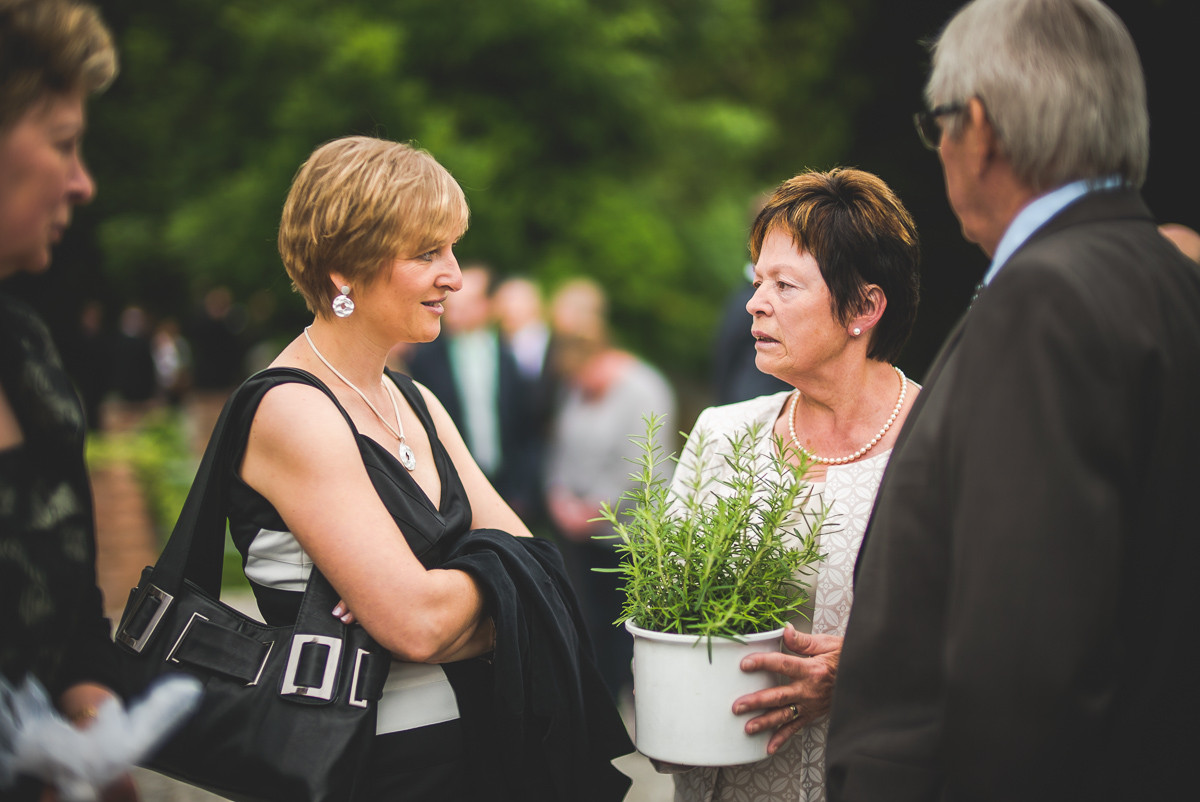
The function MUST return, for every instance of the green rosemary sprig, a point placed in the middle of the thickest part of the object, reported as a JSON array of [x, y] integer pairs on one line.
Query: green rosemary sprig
[[715, 561]]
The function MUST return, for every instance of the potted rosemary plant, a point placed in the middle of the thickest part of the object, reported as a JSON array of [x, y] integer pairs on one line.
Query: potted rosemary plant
[[711, 571]]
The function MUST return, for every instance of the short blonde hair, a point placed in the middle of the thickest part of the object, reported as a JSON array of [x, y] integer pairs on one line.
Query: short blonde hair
[[357, 204], [50, 47]]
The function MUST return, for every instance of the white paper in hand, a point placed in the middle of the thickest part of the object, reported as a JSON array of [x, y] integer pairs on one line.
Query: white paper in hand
[[36, 741]]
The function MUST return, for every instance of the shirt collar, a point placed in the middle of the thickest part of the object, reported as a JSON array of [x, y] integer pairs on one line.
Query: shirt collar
[[1038, 212]]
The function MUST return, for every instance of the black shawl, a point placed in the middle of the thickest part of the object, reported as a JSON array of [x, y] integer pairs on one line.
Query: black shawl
[[548, 729]]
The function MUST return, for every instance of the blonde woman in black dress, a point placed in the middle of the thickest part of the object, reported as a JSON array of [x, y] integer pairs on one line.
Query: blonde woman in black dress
[[360, 471]]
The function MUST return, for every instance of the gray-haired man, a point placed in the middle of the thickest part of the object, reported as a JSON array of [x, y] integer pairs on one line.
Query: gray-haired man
[[1025, 624]]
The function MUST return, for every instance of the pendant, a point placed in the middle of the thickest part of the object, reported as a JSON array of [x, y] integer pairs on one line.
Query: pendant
[[407, 458]]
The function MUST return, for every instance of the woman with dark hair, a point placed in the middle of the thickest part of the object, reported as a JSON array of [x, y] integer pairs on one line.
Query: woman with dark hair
[[836, 284]]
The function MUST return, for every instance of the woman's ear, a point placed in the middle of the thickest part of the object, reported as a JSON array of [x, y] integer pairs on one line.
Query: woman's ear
[[870, 310]]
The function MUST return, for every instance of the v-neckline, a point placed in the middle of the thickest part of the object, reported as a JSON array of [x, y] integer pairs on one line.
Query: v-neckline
[[401, 470], [440, 457], [439, 454]]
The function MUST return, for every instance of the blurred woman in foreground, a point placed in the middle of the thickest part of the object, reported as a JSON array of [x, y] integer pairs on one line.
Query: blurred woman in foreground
[[53, 54], [836, 284]]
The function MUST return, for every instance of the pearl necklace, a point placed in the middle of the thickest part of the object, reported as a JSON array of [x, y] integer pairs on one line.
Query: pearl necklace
[[407, 458], [851, 457]]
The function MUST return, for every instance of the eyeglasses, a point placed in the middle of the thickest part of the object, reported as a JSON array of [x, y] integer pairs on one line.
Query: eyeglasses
[[928, 127]]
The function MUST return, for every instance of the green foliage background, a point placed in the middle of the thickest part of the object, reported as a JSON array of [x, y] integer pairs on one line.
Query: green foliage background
[[622, 139], [625, 139]]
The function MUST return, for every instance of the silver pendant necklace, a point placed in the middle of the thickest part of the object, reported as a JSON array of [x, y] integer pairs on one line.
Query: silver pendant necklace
[[407, 458]]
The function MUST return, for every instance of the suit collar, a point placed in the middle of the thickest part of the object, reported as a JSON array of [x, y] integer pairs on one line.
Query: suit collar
[[1108, 205], [1111, 206], [1038, 211]]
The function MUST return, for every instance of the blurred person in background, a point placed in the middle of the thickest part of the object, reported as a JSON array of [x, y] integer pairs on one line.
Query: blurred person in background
[[473, 372], [836, 286], [519, 314], [215, 333], [735, 376], [53, 54], [134, 379], [579, 308], [607, 393], [172, 362], [89, 363], [1185, 239]]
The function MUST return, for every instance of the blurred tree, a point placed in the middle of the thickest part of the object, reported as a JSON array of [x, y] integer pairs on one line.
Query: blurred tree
[[622, 139]]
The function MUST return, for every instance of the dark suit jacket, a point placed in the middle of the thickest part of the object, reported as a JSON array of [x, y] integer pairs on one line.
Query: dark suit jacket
[[1026, 624], [518, 476]]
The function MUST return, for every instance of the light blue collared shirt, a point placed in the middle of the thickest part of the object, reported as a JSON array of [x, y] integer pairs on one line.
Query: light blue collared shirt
[[1038, 212]]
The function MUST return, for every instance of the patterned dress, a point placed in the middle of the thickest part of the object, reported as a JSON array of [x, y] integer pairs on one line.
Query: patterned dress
[[52, 622], [797, 770]]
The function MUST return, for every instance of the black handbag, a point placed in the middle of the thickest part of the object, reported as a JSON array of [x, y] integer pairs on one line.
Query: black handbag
[[288, 713]]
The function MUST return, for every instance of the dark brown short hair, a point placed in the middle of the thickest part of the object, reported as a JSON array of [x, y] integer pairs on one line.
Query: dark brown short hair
[[860, 234]]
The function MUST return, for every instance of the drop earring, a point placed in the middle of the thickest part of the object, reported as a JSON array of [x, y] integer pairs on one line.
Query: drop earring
[[855, 331], [342, 305]]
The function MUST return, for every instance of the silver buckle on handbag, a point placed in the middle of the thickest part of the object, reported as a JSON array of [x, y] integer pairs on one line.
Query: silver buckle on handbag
[[182, 635], [164, 602], [358, 661], [270, 646], [171, 658], [332, 658]]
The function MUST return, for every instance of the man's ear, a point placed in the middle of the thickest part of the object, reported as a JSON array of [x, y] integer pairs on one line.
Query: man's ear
[[981, 141]]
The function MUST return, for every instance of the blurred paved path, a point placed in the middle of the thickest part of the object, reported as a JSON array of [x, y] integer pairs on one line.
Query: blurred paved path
[[648, 786]]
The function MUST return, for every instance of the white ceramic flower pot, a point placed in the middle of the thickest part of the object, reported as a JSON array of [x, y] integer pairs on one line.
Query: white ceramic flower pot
[[683, 704]]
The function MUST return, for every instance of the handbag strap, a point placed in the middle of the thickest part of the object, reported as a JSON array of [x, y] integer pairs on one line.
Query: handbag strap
[[195, 550]]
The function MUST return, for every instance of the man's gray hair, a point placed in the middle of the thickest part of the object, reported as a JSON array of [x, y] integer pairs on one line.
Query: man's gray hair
[[1061, 83]]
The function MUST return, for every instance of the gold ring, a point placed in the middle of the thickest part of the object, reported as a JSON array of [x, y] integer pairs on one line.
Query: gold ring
[[795, 712]]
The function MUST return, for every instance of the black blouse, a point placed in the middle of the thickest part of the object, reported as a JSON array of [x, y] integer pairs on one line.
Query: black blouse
[[52, 620]]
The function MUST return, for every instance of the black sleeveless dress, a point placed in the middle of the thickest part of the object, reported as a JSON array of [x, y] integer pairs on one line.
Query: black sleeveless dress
[[537, 723], [426, 762]]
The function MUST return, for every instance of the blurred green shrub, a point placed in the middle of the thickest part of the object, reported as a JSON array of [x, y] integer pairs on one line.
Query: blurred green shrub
[[159, 450]]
